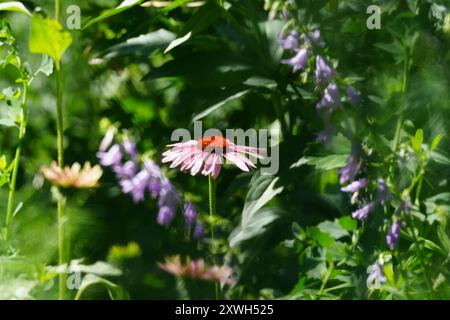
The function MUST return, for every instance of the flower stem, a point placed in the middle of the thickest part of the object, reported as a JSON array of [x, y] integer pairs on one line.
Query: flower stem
[[12, 190], [212, 213], [401, 117], [60, 145], [60, 200], [280, 114]]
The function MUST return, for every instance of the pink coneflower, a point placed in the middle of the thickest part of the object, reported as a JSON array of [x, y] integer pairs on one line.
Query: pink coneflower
[[197, 269], [207, 153]]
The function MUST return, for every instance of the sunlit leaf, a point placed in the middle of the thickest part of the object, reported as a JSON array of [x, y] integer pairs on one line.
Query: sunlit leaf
[[177, 42], [48, 37]]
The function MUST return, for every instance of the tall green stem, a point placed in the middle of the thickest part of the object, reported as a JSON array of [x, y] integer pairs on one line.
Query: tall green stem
[[60, 204], [60, 145], [401, 119], [212, 213], [280, 114], [12, 190]]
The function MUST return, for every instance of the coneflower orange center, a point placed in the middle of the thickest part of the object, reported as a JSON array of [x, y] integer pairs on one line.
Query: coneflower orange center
[[214, 143]]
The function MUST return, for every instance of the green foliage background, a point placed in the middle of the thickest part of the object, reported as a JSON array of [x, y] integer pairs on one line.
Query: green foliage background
[[228, 74]]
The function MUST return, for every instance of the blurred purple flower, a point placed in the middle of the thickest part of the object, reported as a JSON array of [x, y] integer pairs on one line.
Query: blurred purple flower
[[331, 99], [355, 186], [199, 231], [168, 195], [376, 276], [125, 171], [130, 148], [383, 193], [136, 186], [325, 136], [111, 157], [324, 73], [165, 216], [190, 215], [353, 96], [314, 38], [298, 62], [393, 235], [290, 42], [349, 171], [154, 171], [363, 213]]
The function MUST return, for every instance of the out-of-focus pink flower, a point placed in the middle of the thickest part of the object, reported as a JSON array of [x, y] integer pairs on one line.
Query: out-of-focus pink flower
[[74, 177], [197, 269], [208, 153]]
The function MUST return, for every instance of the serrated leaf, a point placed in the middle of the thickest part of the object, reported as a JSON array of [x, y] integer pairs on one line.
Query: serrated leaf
[[15, 6], [48, 37]]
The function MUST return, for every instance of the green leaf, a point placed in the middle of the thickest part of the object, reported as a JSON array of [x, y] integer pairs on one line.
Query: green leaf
[[3, 162], [125, 5], [220, 104], [178, 41], [144, 44], [261, 220], [436, 141], [99, 268], [389, 273], [203, 18], [348, 223], [417, 141], [333, 228], [48, 37], [322, 238], [263, 188], [15, 6], [330, 162], [115, 292], [10, 115], [46, 66], [440, 158]]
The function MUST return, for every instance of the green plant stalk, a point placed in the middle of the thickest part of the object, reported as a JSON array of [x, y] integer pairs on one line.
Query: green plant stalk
[[212, 213], [60, 200], [280, 114], [60, 146], [419, 243], [22, 130], [401, 117]]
